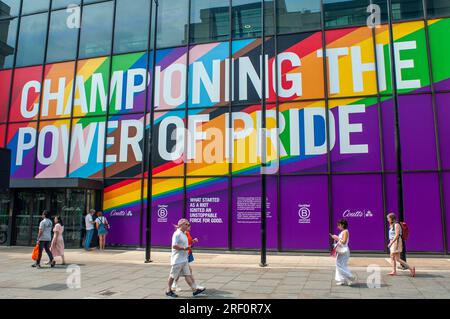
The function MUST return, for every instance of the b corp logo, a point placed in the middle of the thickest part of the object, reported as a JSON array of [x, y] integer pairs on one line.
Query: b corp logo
[[304, 212], [162, 212]]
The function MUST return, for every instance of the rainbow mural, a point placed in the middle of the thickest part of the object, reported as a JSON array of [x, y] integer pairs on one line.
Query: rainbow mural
[[206, 80]]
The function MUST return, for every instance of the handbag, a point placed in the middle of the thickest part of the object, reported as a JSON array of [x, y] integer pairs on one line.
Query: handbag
[[35, 253], [341, 249]]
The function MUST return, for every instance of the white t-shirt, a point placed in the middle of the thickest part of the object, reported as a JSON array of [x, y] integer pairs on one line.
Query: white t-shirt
[[89, 220], [179, 256]]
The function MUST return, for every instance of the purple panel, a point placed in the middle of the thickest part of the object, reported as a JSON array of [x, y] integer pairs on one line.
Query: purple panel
[[446, 184], [166, 211], [207, 210], [391, 193], [443, 115], [417, 132], [304, 221], [246, 222], [387, 117], [124, 224], [358, 198], [422, 212], [370, 136]]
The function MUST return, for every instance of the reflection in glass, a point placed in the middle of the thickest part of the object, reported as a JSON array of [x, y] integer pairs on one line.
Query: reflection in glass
[[8, 32], [246, 18], [32, 34], [172, 22], [132, 25], [298, 15], [60, 4], [9, 8], [210, 20], [340, 13], [96, 37], [62, 40], [33, 6], [407, 9], [438, 8]]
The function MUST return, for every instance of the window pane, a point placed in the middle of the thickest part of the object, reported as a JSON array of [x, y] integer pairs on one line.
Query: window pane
[[246, 18], [172, 21], [345, 12], [9, 8], [96, 37], [8, 32], [132, 25], [60, 4], [298, 15], [438, 8], [210, 20], [32, 6], [62, 40], [91, 1], [32, 34], [407, 9]]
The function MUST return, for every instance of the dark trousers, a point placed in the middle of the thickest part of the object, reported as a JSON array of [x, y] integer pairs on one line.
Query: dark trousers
[[44, 245], [82, 237]]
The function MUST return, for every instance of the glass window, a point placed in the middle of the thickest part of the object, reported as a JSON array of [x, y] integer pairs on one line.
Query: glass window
[[345, 13], [32, 6], [92, 1], [60, 4], [32, 34], [132, 25], [9, 8], [210, 20], [8, 32], [172, 22], [438, 8], [96, 37], [62, 39], [407, 9], [246, 18], [298, 15]]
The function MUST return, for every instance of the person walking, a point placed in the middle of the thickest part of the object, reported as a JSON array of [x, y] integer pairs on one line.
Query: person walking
[[89, 221], [396, 245], [44, 238], [191, 242], [343, 274], [179, 260], [102, 229], [57, 246]]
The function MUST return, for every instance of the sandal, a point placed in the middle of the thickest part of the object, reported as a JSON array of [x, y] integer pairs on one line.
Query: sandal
[[413, 272], [392, 274]]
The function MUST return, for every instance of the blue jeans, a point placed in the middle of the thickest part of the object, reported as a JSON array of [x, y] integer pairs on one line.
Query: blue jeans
[[89, 234]]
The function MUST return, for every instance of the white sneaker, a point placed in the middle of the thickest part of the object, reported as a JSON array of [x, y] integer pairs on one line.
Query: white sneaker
[[339, 283]]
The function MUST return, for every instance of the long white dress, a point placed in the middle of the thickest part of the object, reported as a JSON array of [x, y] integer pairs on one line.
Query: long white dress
[[343, 274]]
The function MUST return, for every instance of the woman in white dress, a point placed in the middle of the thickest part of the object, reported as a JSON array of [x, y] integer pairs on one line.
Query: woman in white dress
[[343, 274]]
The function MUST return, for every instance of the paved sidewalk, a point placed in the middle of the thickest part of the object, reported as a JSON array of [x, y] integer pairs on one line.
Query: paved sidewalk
[[121, 274]]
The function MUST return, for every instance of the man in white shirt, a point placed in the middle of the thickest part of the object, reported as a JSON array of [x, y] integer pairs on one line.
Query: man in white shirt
[[89, 220], [179, 260]]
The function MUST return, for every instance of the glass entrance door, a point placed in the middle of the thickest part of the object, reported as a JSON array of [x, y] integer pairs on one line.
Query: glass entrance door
[[29, 208], [4, 216]]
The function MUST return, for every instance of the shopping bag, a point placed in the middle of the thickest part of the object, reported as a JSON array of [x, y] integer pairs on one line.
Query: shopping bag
[[35, 253]]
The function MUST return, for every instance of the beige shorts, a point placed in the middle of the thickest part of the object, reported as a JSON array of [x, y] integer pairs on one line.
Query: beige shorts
[[179, 270], [397, 247]]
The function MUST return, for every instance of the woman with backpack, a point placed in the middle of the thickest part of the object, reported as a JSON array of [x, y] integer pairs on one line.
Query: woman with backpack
[[102, 229], [396, 245]]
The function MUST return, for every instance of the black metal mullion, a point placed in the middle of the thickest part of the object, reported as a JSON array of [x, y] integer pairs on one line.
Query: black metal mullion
[[108, 96], [73, 91], [145, 150], [186, 113], [41, 94], [152, 120], [380, 136], [230, 154], [436, 129], [327, 121]]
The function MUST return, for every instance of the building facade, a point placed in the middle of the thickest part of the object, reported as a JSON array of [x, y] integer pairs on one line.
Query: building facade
[[88, 108]]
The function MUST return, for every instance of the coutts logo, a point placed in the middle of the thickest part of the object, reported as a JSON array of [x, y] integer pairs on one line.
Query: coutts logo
[[357, 214], [121, 213]]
